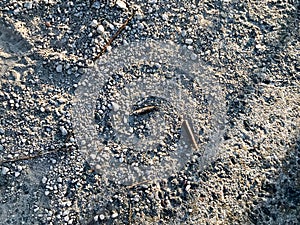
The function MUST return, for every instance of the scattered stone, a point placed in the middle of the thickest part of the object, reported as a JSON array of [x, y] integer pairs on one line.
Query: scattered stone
[[115, 106], [96, 5], [234, 45], [102, 217], [66, 218], [5, 170], [121, 4], [114, 215], [193, 56], [63, 131], [44, 180], [94, 23], [165, 16], [28, 5], [59, 68], [17, 174], [188, 41], [100, 29]]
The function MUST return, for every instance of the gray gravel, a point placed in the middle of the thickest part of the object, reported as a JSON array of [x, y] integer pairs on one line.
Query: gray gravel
[[251, 49]]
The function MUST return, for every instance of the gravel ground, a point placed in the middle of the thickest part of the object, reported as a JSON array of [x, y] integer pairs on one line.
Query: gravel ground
[[251, 49]]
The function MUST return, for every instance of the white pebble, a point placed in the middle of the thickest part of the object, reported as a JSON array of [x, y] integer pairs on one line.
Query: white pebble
[[114, 215], [17, 174], [44, 180], [188, 187], [121, 4], [69, 203], [165, 16], [20, 168], [115, 106], [59, 68], [63, 131], [100, 29], [188, 41], [67, 218], [1, 147], [4, 170], [94, 23], [96, 218], [102, 217], [2, 131]]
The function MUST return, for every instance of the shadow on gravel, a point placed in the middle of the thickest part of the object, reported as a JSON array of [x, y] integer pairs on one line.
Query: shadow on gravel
[[60, 54], [23, 194], [282, 196], [24, 83]]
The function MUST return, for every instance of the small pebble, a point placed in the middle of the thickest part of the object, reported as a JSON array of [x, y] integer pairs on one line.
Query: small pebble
[[121, 4], [59, 68], [96, 5], [94, 23], [115, 106], [188, 41], [193, 56], [100, 29], [1, 147], [114, 215], [44, 180], [69, 203], [165, 16], [28, 5], [66, 218], [17, 174], [102, 217], [5, 170], [63, 131], [188, 187]]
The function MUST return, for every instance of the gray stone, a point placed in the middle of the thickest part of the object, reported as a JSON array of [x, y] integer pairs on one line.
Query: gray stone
[[59, 68], [63, 131]]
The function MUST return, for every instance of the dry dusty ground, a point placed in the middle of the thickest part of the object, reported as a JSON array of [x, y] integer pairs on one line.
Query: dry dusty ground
[[250, 48]]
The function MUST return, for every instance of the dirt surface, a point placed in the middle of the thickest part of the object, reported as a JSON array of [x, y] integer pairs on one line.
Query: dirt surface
[[251, 52]]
